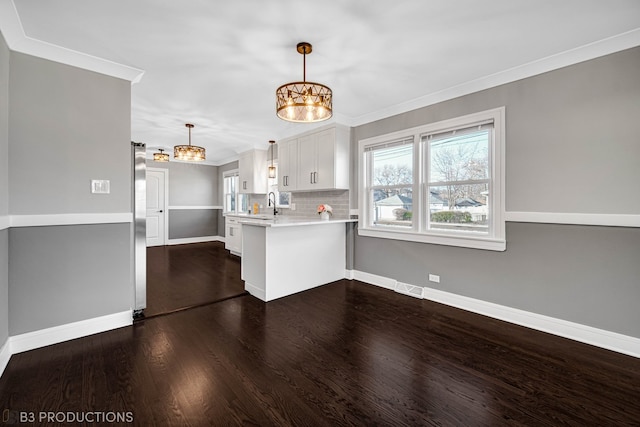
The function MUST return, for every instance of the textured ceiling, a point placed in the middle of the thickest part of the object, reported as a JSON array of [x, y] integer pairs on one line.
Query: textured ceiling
[[217, 64]]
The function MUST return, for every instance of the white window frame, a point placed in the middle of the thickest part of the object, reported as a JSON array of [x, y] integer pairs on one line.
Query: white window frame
[[495, 240], [230, 174]]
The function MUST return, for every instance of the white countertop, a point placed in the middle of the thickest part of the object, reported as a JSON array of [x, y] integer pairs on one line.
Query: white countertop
[[285, 221]]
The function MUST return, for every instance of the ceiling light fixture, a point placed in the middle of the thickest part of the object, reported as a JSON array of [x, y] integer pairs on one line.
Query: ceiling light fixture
[[161, 156], [304, 101], [189, 153], [272, 169]]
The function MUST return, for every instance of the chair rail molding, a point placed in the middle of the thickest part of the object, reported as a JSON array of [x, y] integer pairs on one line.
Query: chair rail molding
[[69, 219], [611, 220]]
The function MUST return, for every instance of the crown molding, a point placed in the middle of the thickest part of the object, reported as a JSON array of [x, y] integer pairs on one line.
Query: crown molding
[[583, 53], [18, 41]]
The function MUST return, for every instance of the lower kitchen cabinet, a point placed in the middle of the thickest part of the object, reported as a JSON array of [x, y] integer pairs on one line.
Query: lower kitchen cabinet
[[233, 236]]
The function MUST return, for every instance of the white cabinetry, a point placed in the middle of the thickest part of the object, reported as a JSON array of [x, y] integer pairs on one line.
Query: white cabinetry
[[315, 161], [253, 172], [233, 235], [280, 261], [288, 165]]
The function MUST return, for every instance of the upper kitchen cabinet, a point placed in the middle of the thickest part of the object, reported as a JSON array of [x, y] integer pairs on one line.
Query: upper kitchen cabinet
[[315, 161], [288, 165], [253, 172]]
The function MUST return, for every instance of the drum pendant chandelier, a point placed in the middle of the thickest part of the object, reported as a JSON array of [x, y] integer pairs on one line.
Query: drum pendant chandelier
[[189, 153], [161, 156], [304, 102]]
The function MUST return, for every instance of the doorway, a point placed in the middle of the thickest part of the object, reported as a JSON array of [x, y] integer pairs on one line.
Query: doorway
[[182, 276], [157, 189]]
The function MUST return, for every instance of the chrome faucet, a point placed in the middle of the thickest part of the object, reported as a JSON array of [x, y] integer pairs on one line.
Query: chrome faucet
[[275, 211]]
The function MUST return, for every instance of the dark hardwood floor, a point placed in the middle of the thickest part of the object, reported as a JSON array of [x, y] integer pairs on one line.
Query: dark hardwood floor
[[342, 354], [183, 276]]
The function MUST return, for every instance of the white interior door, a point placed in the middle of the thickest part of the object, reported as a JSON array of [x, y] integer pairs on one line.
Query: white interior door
[[156, 207]]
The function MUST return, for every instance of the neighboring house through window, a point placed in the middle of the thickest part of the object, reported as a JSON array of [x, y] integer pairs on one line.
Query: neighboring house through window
[[441, 183]]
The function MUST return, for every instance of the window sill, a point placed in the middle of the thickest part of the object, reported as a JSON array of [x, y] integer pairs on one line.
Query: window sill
[[459, 241]]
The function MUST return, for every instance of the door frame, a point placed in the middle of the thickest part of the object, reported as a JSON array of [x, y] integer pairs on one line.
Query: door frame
[[165, 210]]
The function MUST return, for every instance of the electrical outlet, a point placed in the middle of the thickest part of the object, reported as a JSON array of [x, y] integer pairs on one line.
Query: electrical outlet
[[434, 278], [292, 206]]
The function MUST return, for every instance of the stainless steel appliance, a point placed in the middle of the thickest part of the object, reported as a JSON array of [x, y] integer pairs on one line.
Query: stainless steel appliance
[[139, 232]]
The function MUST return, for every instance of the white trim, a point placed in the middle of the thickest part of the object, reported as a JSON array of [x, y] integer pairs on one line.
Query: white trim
[[5, 355], [194, 207], [462, 242], [374, 279], [255, 291], [589, 51], [493, 240], [43, 337], [348, 274], [575, 331], [354, 211], [228, 160], [612, 220], [202, 239], [69, 219], [18, 41]]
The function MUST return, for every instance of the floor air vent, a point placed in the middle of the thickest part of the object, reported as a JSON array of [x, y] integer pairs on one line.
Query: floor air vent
[[407, 289]]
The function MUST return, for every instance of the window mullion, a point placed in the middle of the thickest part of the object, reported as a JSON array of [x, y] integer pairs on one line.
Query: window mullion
[[452, 209]]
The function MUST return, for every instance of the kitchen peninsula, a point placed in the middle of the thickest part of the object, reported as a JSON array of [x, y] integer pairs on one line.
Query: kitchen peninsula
[[284, 256]]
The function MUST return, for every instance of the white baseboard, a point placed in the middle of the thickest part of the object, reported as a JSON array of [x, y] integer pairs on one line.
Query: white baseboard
[[195, 240], [348, 274], [575, 331], [373, 279], [5, 355], [255, 291], [43, 337]]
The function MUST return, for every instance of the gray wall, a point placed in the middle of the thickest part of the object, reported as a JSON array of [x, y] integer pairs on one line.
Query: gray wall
[[192, 184], [186, 223], [4, 190], [572, 145], [66, 127], [62, 274]]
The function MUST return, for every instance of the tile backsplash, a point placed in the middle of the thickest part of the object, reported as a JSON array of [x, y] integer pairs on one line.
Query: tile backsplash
[[307, 203]]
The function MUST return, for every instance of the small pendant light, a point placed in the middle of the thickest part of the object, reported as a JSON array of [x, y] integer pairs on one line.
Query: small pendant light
[[272, 169], [161, 156]]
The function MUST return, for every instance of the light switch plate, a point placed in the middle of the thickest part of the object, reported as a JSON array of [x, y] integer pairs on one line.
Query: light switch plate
[[100, 186]]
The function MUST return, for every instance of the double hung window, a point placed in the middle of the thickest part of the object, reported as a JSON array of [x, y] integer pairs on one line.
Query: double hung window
[[234, 202], [441, 183]]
